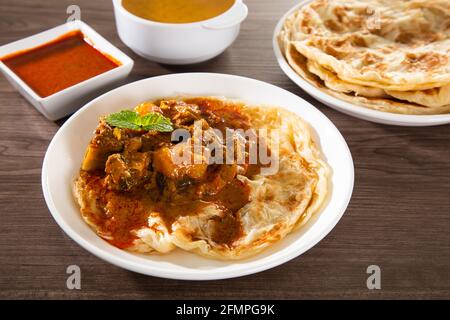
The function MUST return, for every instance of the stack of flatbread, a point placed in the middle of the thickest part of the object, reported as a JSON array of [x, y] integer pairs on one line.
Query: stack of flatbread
[[388, 55]]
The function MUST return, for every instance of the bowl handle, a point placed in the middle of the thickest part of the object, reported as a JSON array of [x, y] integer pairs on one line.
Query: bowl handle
[[234, 16]]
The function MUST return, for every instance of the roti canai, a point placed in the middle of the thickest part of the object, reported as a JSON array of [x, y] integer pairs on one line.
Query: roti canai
[[391, 55], [134, 191]]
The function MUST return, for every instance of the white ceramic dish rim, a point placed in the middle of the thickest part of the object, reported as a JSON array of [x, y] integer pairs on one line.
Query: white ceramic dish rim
[[71, 26], [203, 23], [278, 258], [349, 108]]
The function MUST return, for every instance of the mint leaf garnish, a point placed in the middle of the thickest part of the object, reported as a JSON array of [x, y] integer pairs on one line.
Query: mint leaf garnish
[[156, 121], [128, 119], [125, 119]]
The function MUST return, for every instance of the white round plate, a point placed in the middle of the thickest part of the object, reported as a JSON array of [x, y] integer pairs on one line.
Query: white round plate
[[346, 107], [66, 150]]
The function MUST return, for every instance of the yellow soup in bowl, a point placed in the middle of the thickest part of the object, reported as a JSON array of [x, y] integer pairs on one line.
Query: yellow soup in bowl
[[177, 11]]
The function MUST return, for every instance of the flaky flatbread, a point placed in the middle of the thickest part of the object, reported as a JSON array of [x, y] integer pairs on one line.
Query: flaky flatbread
[[390, 44], [391, 56], [299, 63], [431, 98]]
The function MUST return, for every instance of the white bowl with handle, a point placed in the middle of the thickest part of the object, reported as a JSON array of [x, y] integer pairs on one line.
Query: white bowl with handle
[[179, 43]]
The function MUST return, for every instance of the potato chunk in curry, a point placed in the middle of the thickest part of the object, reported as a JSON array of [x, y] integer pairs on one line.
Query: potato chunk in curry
[[144, 167]]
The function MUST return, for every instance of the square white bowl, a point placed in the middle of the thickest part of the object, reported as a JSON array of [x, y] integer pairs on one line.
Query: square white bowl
[[66, 101]]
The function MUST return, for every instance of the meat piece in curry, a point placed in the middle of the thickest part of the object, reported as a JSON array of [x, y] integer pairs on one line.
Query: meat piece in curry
[[133, 172]]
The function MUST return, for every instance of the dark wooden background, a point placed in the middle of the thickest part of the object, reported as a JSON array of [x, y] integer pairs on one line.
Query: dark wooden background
[[398, 218]]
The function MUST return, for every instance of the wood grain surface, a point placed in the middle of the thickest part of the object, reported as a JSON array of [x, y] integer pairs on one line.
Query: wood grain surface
[[398, 218]]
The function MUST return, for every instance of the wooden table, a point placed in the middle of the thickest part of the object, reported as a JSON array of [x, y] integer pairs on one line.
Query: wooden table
[[398, 218]]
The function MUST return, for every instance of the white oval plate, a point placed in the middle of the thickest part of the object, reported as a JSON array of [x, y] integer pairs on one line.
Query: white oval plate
[[66, 150], [346, 107]]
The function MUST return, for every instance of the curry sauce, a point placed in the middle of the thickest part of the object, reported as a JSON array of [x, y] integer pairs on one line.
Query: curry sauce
[[177, 11], [59, 64], [131, 175]]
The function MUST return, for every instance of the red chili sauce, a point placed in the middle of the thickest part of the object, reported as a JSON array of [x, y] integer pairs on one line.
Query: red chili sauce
[[59, 64]]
